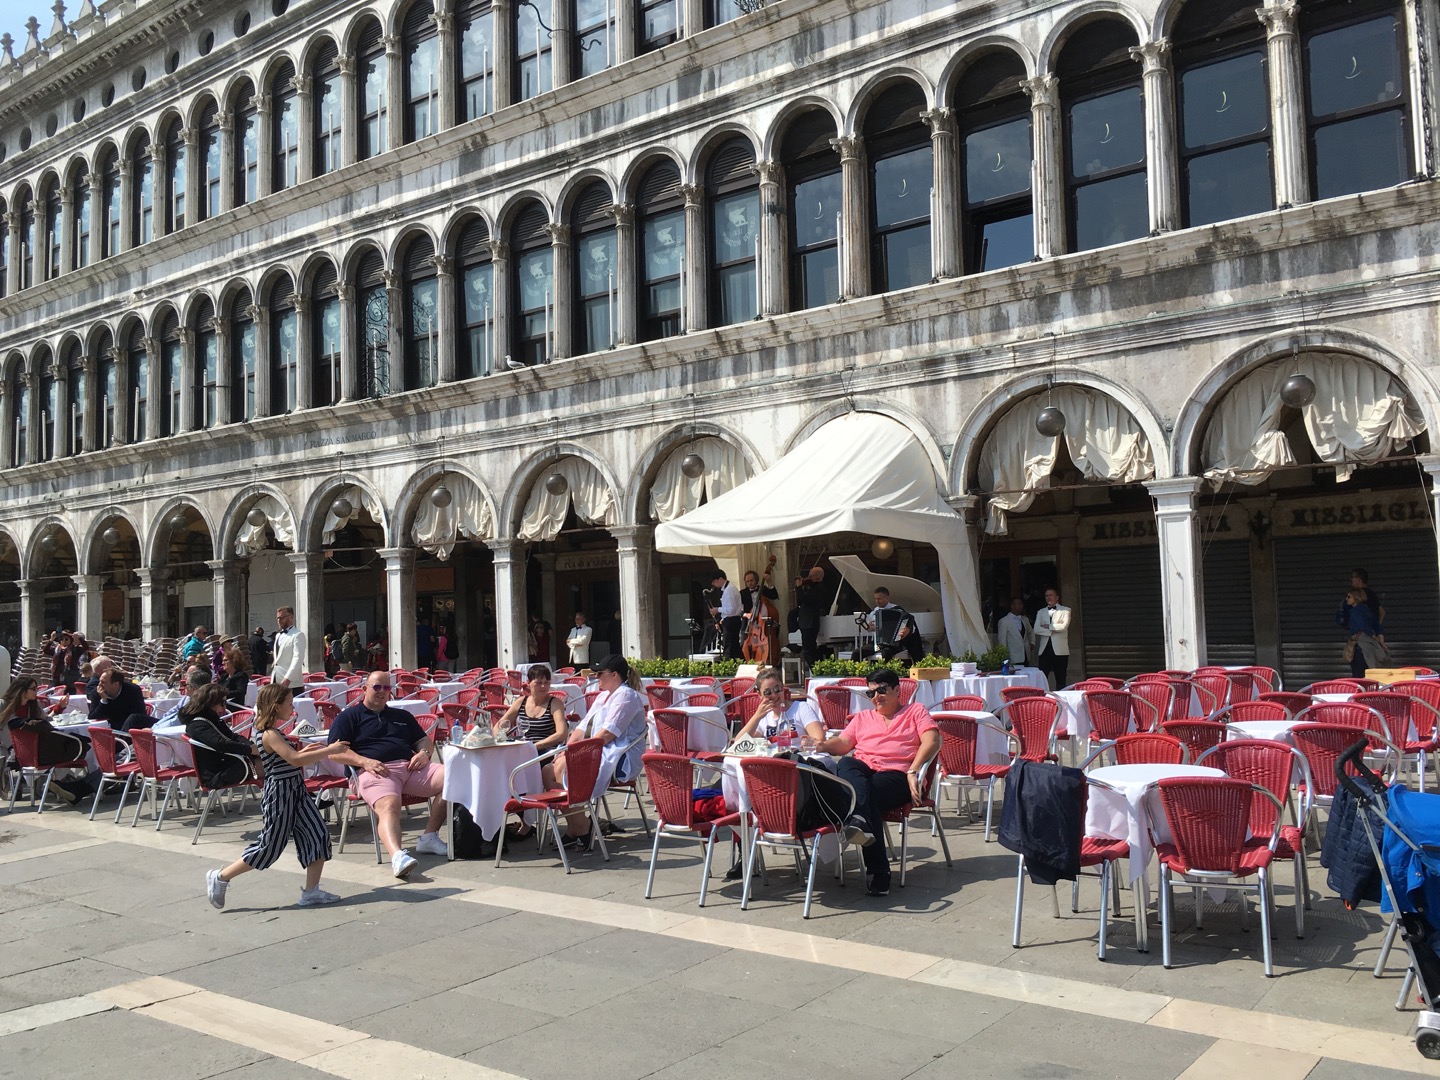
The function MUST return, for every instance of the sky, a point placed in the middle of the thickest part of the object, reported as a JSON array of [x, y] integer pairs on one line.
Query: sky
[[13, 14]]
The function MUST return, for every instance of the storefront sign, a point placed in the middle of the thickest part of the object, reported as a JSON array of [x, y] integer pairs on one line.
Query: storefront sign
[[595, 560], [1227, 524], [1364, 512]]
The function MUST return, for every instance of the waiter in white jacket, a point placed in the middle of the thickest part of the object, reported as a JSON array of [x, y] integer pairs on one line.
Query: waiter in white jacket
[[1052, 638], [578, 641], [288, 665], [1016, 633]]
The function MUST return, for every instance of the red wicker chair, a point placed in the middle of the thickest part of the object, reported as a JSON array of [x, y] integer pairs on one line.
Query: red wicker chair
[[249, 783], [1213, 690], [1244, 712], [1015, 693], [1294, 702], [152, 775], [1267, 679], [1152, 703], [963, 703], [26, 743], [1110, 712], [834, 703], [1033, 720], [671, 781], [1150, 748], [741, 684], [672, 732], [925, 805], [582, 770], [1424, 715], [660, 697], [1197, 735], [907, 691], [105, 743], [738, 710], [703, 698], [1098, 682], [1341, 686]]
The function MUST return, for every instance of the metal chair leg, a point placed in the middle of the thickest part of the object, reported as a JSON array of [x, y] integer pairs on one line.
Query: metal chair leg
[[1264, 890], [814, 860], [1105, 871], [1165, 901], [45, 791], [650, 877], [1019, 901], [204, 813], [704, 870]]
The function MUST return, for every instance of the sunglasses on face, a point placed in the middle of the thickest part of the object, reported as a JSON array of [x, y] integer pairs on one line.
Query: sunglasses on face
[[774, 691], [380, 686], [876, 691]]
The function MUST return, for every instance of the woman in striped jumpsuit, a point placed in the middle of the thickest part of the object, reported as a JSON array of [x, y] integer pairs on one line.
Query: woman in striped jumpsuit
[[287, 811]]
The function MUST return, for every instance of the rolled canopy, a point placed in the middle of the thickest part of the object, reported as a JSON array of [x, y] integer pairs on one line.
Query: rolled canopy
[[862, 472]]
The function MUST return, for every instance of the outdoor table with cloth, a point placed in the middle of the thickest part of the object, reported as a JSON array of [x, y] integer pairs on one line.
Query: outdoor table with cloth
[[479, 780]]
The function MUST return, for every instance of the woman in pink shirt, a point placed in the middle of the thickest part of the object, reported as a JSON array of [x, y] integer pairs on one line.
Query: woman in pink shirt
[[885, 749]]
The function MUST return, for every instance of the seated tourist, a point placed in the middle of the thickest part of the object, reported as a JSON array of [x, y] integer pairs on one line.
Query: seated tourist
[[21, 708], [392, 755], [538, 718], [118, 701], [198, 679], [217, 758], [617, 718], [774, 715], [237, 676], [886, 747]]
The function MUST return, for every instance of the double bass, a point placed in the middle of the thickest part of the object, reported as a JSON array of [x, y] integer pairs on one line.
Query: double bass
[[762, 638]]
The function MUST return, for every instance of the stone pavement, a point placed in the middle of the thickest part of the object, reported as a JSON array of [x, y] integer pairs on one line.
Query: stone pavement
[[112, 964]]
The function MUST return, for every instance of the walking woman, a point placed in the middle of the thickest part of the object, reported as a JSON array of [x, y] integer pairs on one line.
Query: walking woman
[[287, 811]]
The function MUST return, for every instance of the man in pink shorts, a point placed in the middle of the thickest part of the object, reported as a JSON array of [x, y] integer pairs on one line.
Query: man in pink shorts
[[392, 755]]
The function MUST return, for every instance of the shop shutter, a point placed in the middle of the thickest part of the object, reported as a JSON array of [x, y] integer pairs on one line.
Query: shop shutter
[[1120, 612], [1229, 612], [733, 163]]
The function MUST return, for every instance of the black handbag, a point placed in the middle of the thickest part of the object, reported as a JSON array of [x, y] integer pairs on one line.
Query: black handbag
[[470, 843]]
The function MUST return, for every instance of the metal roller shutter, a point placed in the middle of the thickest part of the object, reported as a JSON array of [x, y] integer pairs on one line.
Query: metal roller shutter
[[1123, 623], [1229, 614], [1312, 574]]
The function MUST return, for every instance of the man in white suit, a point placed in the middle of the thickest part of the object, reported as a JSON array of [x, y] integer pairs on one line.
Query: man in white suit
[[288, 666], [1016, 633], [578, 641], [1052, 638]]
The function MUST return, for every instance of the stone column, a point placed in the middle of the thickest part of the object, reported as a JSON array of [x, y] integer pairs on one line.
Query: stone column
[[264, 147], [12, 270], [638, 595], [449, 63], [227, 163], [32, 420], [855, 217], [627, 285], [502, 14], [60, 443], [159, 191], [1047, 178], [310, 606], [563, 47], [548, 610], [122, 406], [304, 353], [625, 31], [349, 359], [7, 425], [260, 316], [772, 263], [305, 125], [399, 318], [223, 389], [1287, 104], [127, 203], [228, 581], [67, 229], [1431, 464], [32, 611], [445, 332], [500, 292], [1422, 44], [692, 18], [394, 94], [1163, 183], [1182, 591], [945, 202], [188, 419], [153, 391], [152, 601], [194, 174], [88, 608], [697, 260], [563, 327], [90, 410], [400, 604], [98, 232], [349, 111], [510, 628]]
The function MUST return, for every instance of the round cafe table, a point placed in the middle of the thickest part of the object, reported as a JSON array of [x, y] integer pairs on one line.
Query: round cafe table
[[931, 692], [479, 780], [1129, 808]]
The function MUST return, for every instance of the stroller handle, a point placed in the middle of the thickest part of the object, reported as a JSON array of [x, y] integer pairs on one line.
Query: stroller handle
[[1356, 756]]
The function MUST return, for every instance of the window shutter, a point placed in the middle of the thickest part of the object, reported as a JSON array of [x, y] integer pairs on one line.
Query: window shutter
[[732, 163]]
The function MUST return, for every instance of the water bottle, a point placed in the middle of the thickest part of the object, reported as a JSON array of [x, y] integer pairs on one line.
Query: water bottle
[[1005, 668], [457, 733]]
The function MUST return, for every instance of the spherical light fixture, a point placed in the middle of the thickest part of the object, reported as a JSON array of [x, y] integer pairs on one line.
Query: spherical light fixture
[[256, 518], [882, 548], [177, 520], [111, 536], [556, 484], [47, 542], [1050, 422], [1298, 391], [440, 497], [342, 509], [692, 465]]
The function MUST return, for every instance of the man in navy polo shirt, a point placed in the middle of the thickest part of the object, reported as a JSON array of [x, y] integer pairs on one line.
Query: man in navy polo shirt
[[392, 755]]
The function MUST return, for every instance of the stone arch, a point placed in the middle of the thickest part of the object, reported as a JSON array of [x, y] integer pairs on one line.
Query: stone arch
[[712, 140], [783, 119], [234, 89], [418, 487], [357, 26], [159, 530], [971, 51], [272, 65], [635, 507], [515, 206], [166, 120], [901, 415], [91, 544], [202, 102], [877, 84], [525, 477], [139, 134], [192, 303], [229, 293], [1082, 15], [408, 235], [308, 527], [271, 279], [313, 264], [577, 182], [239, 506], [30, 563], [459, 221], [356, 254], [312, 48], [642, 163]]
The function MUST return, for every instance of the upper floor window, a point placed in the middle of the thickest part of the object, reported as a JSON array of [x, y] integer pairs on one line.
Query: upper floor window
[[325, 338], [661, 233], [175, 165], [247, 147], [593, 231], [532, 280], [475, 350], [4, 253], [372, 314], [733, 207], [210, 177], [19, 417], [813, 189], [532, 52], [284, 348], [901, 189], [137, 386], [80, 202], [142, 211], [722, 11], [328, 112], [243, 360], [49, 407], [171, 366], [421, 44], [284, 129], [205, 376], [373, 75], [594, 51], [79, 399], [997, 151], [110, 394], [475, 25], [27, 240], [54, 232], [421, 311], [110, 233], [659, 23]]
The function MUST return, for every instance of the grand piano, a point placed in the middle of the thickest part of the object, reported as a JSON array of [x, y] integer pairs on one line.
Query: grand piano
[[919, 599]]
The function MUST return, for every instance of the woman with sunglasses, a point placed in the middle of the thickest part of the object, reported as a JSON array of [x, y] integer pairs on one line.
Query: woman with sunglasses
[[21, 708], [538, 718], [777, 715]]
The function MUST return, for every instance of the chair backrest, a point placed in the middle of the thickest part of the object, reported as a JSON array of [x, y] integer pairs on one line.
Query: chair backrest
[[1109, 713], [772, 784], [1151, 701], [469, 697], [853, 680], [1152, 676], [1394, 710], [957, 744], [1015, 693], [590, 696], [317, 693], [327, 711], [908, 687], [455, 712], [963, 703], [354, 695], [1425, 708], [671, 731], [1267, 679], [1099, 682], [575, 680], [494, 693], [1337, 686], [739, 709], [103, 742], [429, 694], [1322, 744], [703, 698], [1346, 713], [741, 684], [582, 768], [1209, 819], [495, 712], [26, 742], [1033, 719], [143, 742], [660, 682], [661, 697], [1242, 686], [1180, 703], [565, 670], [1242, 712], [1262, 762], [702, 680], [1149, 748], [1293, 701], [834, 702], [1197, 735], [671, 780], [1214, 690]]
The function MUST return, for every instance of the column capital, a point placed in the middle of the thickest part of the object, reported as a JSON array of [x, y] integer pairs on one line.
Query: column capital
[[694, 194], [88, 582], [302, 305], [220, 566], [941, 121], [345, 292], [505, 548], [849, 147], [392, 280], [1431, 464], [499, 250], [117, 353], [392, 44], [302, 84], [346, 63], [94, 180], [151, 346], [150, 576], [1040, 90], [624, 214], [67, 196], [559, 234], [443, 20], [1278, 19], [1176, 492], [632, 536], [187, 336], [187, 134], [218, 325], [125, 168], [397, 558], [1153, 55], [444, 265], [59, 370], [227, 123], [254, 312], [304, 562]]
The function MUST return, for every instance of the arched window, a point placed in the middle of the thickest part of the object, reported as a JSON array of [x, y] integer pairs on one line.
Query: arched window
[[79, 394], [533, 276], [243, 353], [27, 239], [325, 342], [593, 227], [210, 175], [284, 348], [734, 212], [49, 406], [372, 311], [110, 234], [206, 377], [19, 416], [373, 75], [142, 209], [1224, 112], [172, 363], [54, 232], [175, 164], [813, 189], [661, 234], [421, 311], [246, 128], [997, 150], [137, 386], [901, 174], [421, 43], [659, 24], [594, 51], [1357, 102], [284, 129], [109, 393], [4, 251], [328, 111], [1104, 122], [532, 53], [476, 351], [80, 207], [474, 24]]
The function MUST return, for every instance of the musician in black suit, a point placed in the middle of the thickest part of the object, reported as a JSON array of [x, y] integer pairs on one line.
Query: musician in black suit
[[813, 596], [895, 628]]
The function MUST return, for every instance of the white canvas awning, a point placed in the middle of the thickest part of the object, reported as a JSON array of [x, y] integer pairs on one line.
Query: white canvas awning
[[862, 472]]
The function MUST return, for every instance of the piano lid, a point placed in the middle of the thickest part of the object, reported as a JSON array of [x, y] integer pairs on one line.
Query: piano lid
[[910, 593]]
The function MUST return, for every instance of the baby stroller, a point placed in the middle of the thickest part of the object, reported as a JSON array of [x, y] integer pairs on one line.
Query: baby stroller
[[1408, 855]]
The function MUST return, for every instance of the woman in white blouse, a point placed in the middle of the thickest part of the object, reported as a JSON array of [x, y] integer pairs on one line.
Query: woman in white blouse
[[775, 714]]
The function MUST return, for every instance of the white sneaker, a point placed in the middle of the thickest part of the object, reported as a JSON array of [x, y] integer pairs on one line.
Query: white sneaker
[[431, 844], [316, 897], [215, 887], [402, 864]]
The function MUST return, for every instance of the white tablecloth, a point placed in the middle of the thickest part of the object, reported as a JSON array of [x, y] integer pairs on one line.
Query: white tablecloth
[[479, 780], [76, 704], [414, 706], [931, 692], [1263, 729], [1330, 697], [701, 736], [1131, 811], [858, 701], [336, 687], [448, 690], [305, 709]]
